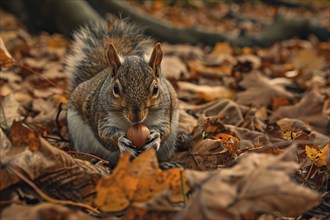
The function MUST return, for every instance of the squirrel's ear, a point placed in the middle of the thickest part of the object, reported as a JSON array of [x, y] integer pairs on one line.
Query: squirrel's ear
[[156, 59], [113, 58]]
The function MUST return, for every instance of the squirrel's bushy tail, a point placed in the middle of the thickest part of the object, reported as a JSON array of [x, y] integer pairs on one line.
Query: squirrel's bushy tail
[[91, 42]]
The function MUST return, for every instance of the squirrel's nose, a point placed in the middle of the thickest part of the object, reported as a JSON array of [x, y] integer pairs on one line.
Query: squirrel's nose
[[135, 115]]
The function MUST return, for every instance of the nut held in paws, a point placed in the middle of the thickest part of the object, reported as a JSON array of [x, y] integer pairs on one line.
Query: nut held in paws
[[138, 134]]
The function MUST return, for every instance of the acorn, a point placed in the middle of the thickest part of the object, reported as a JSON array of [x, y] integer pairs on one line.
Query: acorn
[[138, 134]]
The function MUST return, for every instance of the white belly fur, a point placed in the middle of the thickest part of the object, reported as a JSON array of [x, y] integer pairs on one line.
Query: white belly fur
[[83, 137]]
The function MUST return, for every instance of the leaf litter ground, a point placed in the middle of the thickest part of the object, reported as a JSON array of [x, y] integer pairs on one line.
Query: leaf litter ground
[[253, 138]]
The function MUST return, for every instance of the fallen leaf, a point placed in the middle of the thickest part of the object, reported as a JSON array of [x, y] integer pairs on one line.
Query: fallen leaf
[[210, 70], [186, 125], [8, 111], [43, 211], [205, 152], [183, 51], [259, 183], [308, 61], [230, 111], [5, 145], [221, 48], [173, 68], [308, 109], [253, 59], [10, 77], [55, 171], [260, 91], [54, 71], [158, 208], [206, 93], [317, 155], [230, 142], [6, 60], [137, 181]]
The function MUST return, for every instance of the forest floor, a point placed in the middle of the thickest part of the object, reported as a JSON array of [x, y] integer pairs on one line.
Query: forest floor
[[253, 138]]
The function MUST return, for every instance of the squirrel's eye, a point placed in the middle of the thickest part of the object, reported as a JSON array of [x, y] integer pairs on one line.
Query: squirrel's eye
[[155, 90], [116, 90]]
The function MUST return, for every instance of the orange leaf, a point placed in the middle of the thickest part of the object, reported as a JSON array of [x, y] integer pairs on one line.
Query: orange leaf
[[230, 142], [221, 48], [137, 181]]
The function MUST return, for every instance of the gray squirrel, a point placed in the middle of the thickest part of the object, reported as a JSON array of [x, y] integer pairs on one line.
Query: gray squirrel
[[114, 86]]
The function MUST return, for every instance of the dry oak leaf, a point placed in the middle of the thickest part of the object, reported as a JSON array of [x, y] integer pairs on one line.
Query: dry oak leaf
[[173, 68], [158, 208], [260, 91], [308, 61], [318, 156], [137, 181], [206, 93], [6, 60], [183, 51], [39, 161], [258, 183], [230, 142], [309, 109], [210, 69], [43, 211], [9, 111], [205, 152], [230, 110]]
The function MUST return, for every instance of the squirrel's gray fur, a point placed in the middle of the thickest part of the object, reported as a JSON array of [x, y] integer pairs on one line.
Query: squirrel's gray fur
[[113, 87]]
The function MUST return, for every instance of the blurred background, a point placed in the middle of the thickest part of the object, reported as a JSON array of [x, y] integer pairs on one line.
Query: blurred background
[[240, 22]]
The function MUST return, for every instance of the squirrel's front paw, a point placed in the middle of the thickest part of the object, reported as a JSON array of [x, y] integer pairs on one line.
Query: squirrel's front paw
[[153, 141], [125, 144]]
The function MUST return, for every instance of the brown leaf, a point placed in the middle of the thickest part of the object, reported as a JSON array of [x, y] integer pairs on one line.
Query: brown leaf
[[186, 125], [308, 61], [205, 152], [183, 51], [158, 208], [213, 67], [173, 68], [230, 112], [5, 145], [204, 92], [43, 211], [21, 135], [308, 109], [58, 173], [259, 183], [10, 77], [260, 91], [253, 59], [8, 111], [6, 60]]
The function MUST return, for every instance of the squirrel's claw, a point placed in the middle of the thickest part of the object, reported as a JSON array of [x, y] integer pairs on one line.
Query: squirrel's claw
[[153, 141], [125, 144]]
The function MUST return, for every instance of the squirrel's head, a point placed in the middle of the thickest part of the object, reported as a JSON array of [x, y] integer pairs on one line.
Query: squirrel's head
[[135, 83]]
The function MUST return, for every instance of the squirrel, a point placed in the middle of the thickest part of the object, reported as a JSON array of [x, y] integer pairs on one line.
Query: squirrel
[[114, 85]]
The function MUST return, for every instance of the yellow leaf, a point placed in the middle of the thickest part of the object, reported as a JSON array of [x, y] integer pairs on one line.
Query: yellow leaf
[[317, 156]]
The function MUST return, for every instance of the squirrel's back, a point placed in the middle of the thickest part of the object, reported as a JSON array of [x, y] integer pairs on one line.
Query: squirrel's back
[[88, 56]]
